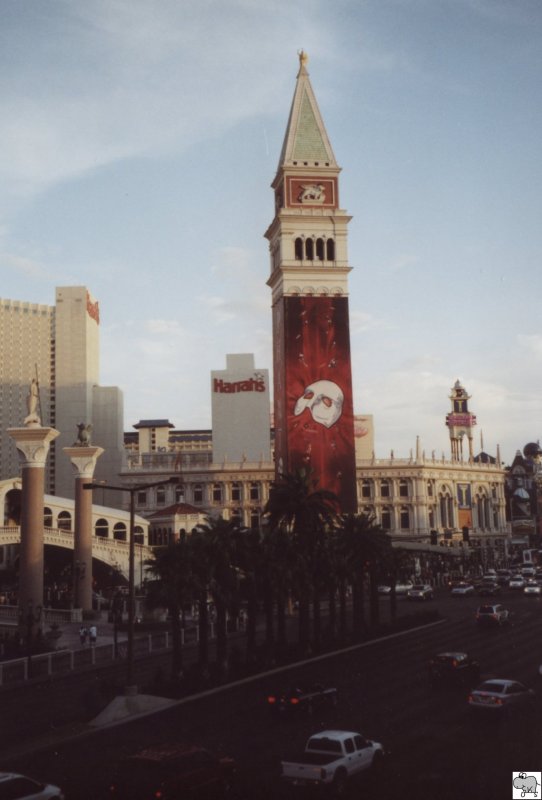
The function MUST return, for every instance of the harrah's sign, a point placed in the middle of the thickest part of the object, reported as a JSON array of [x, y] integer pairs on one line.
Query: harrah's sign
[[232, 387]]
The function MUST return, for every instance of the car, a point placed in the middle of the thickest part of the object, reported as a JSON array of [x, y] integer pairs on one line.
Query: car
[[532, 589], [14, 786], [462, 589], [172, 770], [528, 572], [453, 669], [421, 591], [499, 694], [488, 588], [503, 576], [517, 582], [302, 698], [400, 588], [492, 615]]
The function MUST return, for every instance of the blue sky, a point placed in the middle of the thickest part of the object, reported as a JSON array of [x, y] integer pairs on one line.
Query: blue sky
[[138, 142]]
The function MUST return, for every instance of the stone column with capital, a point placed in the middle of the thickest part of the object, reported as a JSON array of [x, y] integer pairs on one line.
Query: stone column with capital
[[32, 443], [83, 461]]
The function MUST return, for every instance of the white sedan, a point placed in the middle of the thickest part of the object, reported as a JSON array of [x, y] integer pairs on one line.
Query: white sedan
[[462, 590], [400, 588], [499, 693], [532, 588], [13, 785]]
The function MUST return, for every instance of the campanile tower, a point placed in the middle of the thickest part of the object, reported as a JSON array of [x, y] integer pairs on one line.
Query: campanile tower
[[314, 423]]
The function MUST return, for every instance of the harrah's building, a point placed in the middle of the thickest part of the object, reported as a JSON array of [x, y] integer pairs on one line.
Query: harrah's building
[[314, 424], [240, 408]]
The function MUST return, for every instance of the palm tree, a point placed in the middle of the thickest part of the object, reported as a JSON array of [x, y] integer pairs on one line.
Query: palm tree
[[222, 541], [173, 588], [368, 549], [297, 506]]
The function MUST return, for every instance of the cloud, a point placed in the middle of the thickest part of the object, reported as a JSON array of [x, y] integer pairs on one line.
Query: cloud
[[531, 343]]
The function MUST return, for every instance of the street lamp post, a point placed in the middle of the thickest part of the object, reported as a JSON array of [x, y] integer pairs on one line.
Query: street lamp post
[[132, 490]]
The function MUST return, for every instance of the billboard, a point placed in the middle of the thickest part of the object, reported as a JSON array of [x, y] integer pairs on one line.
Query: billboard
[[314, 419]]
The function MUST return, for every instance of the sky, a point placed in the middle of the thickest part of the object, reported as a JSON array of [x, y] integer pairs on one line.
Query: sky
[[138, 142]]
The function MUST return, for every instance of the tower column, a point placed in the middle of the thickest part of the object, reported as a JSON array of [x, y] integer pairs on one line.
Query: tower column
[[83, 460], [32, 443]]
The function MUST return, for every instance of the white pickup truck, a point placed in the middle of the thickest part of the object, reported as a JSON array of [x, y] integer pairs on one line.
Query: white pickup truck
[[331, 758]]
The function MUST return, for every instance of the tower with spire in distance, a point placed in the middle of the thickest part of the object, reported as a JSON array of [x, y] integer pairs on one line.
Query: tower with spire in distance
[[314, 422], [460, 422]]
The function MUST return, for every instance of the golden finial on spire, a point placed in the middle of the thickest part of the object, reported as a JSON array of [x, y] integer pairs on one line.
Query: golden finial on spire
[[303, 58]]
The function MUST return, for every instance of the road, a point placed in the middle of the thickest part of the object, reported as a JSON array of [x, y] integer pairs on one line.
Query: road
[[437, 747]]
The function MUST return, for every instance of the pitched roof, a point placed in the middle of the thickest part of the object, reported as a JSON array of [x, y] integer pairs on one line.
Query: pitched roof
[[306, 139], [178, 509]]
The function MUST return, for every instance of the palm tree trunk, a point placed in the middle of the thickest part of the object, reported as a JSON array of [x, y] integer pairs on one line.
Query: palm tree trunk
[[374, 605], [281, 625], [304, 621], [332, 618], [316, 619], [358, 608], [221, 638], [176, 643], [342, 611], [252, 612], [203, 624]]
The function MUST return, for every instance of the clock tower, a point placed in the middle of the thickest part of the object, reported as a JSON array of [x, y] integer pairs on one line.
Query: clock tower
[[314, 423], [460, 422]]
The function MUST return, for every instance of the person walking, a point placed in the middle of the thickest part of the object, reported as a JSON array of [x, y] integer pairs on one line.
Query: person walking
[[93, 634], [83, 633]]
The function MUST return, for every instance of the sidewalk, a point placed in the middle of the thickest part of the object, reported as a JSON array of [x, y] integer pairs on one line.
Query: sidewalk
[[70, 639]]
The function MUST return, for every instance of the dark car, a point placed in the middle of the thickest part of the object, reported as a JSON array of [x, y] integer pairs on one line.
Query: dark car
[[171, 771], [302, 698], [489, 588], [453, 669]]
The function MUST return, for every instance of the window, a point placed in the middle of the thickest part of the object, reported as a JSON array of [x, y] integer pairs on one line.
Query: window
[[384, 488], [365, 488], [64, 522], [47, 518], [198, 493], [349, 745], [236, 492], [119, 531], [217, 493], [255, 518], [139, 536], [309, 249], [386, 519], [160, 496], [330, 250], [320, 249], [142, 498], [179, 494], [102, 528], [299, 249], [403, 488], [405, 518], [429, 489], [254, 491]]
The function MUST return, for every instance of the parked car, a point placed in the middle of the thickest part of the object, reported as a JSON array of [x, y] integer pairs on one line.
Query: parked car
[[499, 694], [517, 582], [18, 787], [400, 588], [421, 591], [453, 669], [492, 615], [172, 770], [306, 698], [462, 589], [532, 589]]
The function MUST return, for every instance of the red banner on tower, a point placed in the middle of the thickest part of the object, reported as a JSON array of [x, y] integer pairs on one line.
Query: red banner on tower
[[313, 387]]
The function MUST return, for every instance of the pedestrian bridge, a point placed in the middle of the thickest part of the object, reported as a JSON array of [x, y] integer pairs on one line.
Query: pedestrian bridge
[[113, 552]]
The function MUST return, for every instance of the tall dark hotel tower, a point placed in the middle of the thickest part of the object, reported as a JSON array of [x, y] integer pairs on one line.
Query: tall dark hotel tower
[[314, 423]]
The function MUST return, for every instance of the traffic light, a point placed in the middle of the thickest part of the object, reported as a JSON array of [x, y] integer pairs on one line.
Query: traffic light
[[465, 534], [434, 537]]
